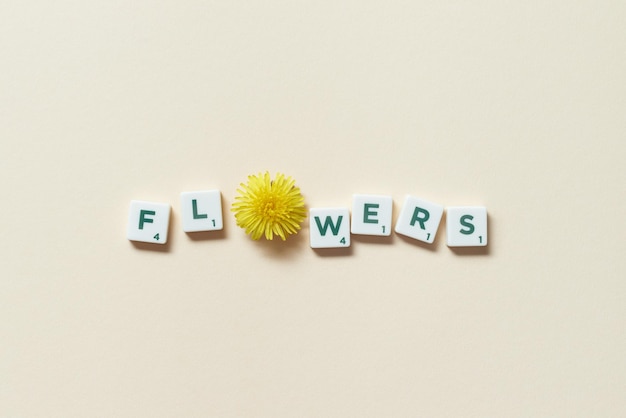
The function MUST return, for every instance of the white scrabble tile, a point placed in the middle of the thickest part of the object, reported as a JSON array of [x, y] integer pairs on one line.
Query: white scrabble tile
[[201, 211], [148, 222], [419, 219], [329, 227], [371, 215], [466, 226]]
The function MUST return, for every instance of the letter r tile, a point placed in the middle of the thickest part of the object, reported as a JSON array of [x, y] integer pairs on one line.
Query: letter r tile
[[419, 219]]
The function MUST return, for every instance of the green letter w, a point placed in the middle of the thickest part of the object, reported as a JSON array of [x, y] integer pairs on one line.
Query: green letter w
[[328, 223]]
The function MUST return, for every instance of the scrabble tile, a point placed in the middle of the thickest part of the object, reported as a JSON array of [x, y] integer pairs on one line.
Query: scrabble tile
[[466, 226], [419, 219], [329, 227], [201, 211], [148, 222], [371, 215]]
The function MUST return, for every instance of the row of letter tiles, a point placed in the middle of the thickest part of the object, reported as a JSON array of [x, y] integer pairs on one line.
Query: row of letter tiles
[[149, 221], [466, 226]]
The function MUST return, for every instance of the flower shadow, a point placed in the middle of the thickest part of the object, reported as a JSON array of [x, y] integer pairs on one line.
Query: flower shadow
[[277, 248]]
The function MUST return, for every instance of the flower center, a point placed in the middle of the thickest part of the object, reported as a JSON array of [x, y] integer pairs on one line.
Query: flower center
[[271, 208]]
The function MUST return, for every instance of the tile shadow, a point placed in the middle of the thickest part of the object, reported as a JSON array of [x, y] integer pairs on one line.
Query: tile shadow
[[334, 252], [373, 239], [478, 251]]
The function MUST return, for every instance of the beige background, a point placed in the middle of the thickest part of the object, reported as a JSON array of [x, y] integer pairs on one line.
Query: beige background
[[518, 106]]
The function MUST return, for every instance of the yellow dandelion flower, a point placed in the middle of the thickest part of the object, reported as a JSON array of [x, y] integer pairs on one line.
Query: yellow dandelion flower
[[267, 207]]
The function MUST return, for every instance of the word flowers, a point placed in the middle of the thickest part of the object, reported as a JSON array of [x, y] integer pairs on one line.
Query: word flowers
[[269, 208]]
